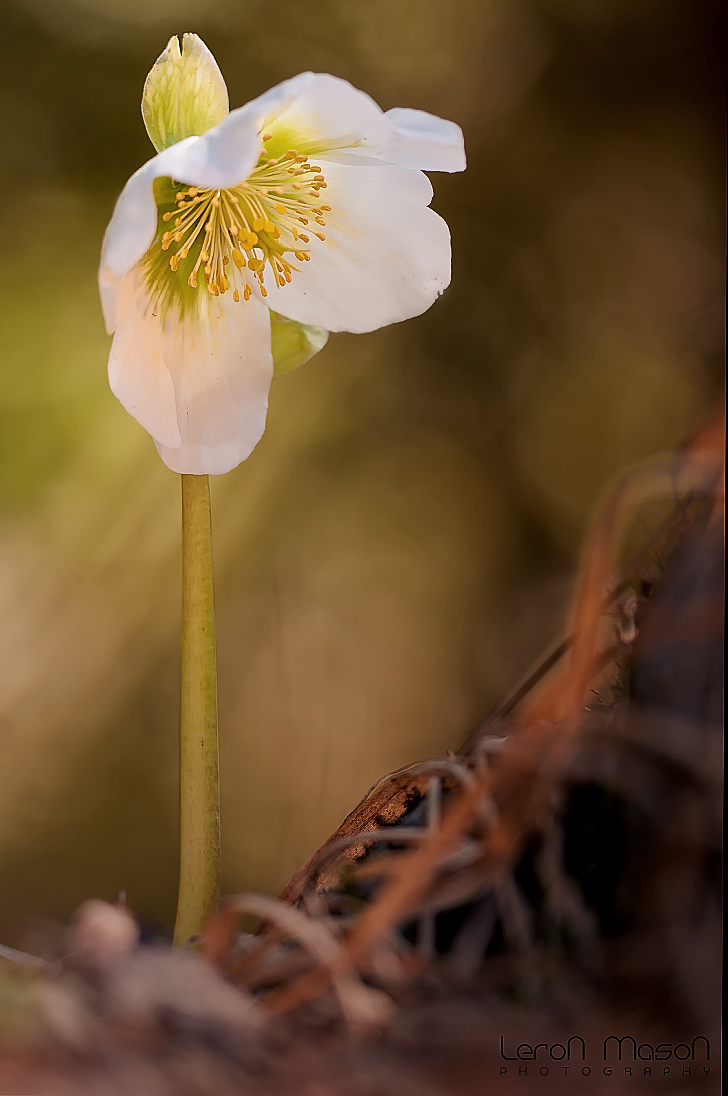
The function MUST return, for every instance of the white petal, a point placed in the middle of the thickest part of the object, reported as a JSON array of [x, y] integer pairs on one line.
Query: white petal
[[221, 369], [138, 374], [134, 220], [109, 289], [386, 256], [330, 117], [424, 141], [200, 385], [326, 112], [276, 101]]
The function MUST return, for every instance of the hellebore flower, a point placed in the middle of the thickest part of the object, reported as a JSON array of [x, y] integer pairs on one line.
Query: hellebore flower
[[305, 210]]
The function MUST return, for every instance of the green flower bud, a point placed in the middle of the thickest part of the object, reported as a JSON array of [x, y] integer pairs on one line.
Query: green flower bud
[[293, 343], [184, 94]]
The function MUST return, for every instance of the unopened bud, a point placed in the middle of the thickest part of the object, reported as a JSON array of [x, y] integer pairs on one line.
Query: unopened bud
[[184, 94]]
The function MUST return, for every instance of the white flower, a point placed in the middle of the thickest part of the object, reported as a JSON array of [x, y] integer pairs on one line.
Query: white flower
[[307, 203]]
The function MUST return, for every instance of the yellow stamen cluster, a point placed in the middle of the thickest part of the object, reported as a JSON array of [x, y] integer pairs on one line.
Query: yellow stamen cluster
[[236, 233]]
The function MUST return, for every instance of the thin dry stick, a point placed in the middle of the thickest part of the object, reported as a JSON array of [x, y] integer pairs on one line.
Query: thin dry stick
[[396, 897], [384, 803], [360, 1005], [393, 834], [427, 925]]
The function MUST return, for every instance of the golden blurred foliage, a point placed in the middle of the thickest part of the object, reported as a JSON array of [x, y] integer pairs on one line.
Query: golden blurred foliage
[[399, 546]]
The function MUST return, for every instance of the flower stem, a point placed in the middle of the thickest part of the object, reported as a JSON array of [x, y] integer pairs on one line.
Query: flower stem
[[199, 880]]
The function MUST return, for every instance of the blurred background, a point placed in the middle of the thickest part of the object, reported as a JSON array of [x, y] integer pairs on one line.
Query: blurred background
[[402, 542]]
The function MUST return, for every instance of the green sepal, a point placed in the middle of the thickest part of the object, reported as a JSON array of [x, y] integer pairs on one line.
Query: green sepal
[[184, 94], [293, 343]]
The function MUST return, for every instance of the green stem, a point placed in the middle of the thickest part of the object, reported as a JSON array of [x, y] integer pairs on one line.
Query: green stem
[[199, 880]]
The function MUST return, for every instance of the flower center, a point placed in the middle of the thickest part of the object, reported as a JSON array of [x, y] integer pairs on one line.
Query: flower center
[[231, 236]]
